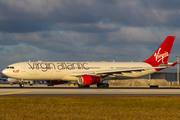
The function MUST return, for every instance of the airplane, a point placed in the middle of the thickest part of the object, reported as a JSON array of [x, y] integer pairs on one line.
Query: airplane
[[88, 73]]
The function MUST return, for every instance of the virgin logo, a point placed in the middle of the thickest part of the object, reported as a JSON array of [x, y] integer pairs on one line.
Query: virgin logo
[[160, 56]]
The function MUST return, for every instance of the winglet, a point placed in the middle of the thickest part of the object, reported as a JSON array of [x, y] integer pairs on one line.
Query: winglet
[[162, 53]]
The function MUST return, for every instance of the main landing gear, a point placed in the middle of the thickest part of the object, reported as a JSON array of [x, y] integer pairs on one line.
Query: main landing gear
[[83, 86], [100, 85], [103, 85]]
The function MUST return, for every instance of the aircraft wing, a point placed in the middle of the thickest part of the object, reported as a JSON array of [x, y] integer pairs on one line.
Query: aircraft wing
[[110, 72]]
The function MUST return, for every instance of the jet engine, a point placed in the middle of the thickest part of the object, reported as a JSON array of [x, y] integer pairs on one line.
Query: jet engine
[[89, 79], [12, 80]]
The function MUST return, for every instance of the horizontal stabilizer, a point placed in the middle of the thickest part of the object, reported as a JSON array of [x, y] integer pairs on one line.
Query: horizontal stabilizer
[[174, 64]]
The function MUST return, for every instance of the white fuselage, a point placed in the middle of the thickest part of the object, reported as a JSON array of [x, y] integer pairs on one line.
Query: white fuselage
[[63, 70]]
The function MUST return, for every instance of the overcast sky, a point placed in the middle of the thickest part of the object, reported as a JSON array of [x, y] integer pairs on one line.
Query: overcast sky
[[86, 30]]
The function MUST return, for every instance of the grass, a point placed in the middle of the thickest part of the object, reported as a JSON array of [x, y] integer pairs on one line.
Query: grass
[[91, 108]]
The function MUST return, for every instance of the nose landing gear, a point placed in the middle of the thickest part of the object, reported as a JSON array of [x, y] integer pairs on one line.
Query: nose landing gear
[[21, 85]]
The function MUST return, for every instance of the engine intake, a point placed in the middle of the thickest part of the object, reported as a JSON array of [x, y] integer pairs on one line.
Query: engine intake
[[89, 79]]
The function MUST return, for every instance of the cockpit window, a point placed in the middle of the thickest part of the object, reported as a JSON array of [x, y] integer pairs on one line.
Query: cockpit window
[[10, 67]]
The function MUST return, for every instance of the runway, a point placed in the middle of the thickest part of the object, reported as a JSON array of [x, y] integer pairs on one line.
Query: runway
[[44, 91]]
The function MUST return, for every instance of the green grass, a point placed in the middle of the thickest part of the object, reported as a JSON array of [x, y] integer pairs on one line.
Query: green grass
[[92, 108]]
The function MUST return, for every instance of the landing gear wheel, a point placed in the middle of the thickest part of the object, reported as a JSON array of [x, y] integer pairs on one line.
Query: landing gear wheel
[[21, 85], [83, 86], [106, 85], [100, 85], [103, 85], [80, 86], [86, 85]]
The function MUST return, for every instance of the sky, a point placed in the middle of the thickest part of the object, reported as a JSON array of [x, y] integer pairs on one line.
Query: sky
[[86, 30]]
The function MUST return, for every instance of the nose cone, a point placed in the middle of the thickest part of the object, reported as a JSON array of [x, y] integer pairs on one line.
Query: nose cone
[[4, 71]]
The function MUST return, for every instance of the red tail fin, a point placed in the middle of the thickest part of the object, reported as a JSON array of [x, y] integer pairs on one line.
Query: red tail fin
[[162, 53]]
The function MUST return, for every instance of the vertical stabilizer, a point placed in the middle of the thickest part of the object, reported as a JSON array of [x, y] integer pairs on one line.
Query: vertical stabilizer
[[162, 53]]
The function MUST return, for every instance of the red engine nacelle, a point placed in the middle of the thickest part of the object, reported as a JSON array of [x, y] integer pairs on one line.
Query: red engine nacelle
[[57, 82], [89, 79]]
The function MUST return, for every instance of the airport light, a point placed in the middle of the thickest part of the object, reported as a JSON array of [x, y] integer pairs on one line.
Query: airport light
[[177, 69]]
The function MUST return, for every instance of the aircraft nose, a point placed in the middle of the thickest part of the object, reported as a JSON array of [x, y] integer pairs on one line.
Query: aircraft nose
[[4, 71]]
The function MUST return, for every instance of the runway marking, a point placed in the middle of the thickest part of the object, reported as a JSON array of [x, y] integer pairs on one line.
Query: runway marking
[[13, 93]]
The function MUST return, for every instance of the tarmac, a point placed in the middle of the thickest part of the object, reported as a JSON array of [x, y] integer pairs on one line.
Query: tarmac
[[42, 90]]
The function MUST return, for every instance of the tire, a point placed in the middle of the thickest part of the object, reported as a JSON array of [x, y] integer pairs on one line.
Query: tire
[[80, 86], [83, 86], [87, 85], [103, 85], [106, 85], [100, 85], [21, 85]]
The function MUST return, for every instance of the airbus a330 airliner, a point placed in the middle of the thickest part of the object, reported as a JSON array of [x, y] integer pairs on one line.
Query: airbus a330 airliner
[[88, 73]]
